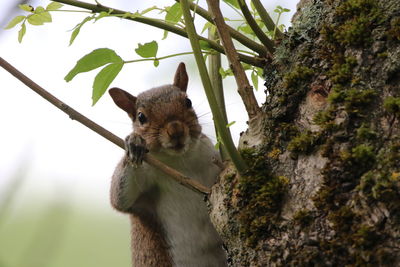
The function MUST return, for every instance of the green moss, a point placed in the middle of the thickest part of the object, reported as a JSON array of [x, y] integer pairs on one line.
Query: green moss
[[356, 99], [363, 154], [342, 219], [392, 105], [260, 197], [303, 143], [365, 237], [303, 218], [365, 133], [341, 72], [358, 17], [297, 76]]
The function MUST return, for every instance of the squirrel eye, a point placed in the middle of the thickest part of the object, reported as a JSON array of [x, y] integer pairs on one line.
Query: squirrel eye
[[188, 103], [142, 118]]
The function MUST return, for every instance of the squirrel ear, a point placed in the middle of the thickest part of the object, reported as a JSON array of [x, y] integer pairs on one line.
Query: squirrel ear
[[181, 78], [123, 100]]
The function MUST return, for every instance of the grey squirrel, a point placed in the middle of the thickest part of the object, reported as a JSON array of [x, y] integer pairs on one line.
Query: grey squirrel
[[170, 223]]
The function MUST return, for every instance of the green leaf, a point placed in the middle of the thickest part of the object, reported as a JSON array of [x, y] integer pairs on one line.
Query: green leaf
[[78, 27], [104, 78], [156, 62], [39, 17], [53, 6], [233, 3], [165, 35], [207, 26], [147, 50], [21, 32], [93, 60], [148, 10], [230, 124], [254, 79], [204, 45], [26, 7], [14, 22], [174, 13]]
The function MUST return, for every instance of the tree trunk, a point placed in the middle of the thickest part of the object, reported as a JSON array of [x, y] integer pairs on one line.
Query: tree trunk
[[323, 189]]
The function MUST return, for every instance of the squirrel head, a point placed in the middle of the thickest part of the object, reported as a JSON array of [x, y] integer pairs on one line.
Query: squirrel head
[[162, 116]]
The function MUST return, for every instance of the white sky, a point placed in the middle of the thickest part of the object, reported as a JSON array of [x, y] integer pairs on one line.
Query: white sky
[[60, 156]]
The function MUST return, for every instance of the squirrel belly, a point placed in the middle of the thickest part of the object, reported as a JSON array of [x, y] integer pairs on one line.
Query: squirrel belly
[[167, 216]]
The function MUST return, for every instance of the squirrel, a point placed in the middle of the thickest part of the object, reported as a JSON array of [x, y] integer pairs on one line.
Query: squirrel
[[170, 225]]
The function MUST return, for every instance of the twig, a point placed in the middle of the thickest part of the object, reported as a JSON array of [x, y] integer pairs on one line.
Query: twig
[[254, 26], [205, 79], [244, 88], [269, 23], [74, 115], [255, 61], [241, 38]]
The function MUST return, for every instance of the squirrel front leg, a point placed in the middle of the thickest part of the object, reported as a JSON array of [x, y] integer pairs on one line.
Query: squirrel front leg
[[126, 186]]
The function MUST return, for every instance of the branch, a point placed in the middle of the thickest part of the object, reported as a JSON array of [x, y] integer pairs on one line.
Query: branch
[[158, 24], [269, 23], [254, 26], [241, 38], [74, 115], [217, 114], [244, 88]]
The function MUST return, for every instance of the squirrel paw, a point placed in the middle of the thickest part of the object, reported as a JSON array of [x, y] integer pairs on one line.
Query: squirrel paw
[[135, 148]]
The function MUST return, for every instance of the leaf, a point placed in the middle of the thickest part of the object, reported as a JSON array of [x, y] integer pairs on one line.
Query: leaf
[[147, 50], [165, 35], [77, 29], [230, 124], [148, 10], [233, 3], [156, 62], [21, 32], [26, 7], [103, 80], [14, 22], [207, 26], [39, 17], [254, 79], [53, 6], [204, 45], [174, 13], [93, 60]]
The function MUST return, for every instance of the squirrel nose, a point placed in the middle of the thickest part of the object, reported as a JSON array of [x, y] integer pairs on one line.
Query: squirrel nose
[[175, 129]]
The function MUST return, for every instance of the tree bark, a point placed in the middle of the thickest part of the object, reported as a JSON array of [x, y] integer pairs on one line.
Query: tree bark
[[324, 184]]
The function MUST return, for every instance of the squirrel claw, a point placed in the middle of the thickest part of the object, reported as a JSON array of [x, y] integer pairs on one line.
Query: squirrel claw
[[135, 148]]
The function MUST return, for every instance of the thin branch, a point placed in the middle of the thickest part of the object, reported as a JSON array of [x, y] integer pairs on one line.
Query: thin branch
[[214, 64], [241, 38], [269, 23], [74, 115], [158, 24], [244, 88], [254, 26], [217, 115]]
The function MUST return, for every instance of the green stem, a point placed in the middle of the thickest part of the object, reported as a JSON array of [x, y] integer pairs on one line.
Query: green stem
[[266, 18], [254, 26], [241, 38], [214, 64], [217, 115], [158, 24], [276, 24]]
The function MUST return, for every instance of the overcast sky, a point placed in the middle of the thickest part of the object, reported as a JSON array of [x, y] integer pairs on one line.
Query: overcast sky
[[60, 156]]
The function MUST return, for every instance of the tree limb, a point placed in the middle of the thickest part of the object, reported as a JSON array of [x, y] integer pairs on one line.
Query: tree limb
[[269, 23], [254, 26], [241, 38], [255, 61], [74, 115], [244, 88]]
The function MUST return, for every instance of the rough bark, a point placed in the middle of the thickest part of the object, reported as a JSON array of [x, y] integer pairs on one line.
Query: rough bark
[[323, 189]]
